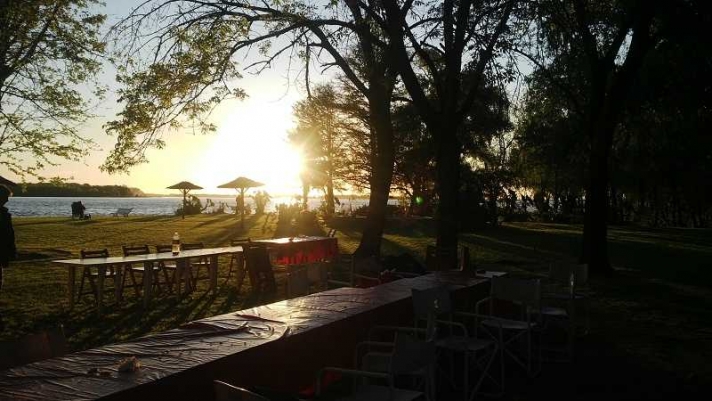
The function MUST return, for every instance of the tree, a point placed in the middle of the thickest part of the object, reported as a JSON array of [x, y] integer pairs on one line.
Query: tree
[[320, 136], [48, 48], [180, 61], [610, 40], [444, 39]]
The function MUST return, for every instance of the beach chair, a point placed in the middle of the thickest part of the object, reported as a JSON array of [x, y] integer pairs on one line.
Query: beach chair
[[122, 211]]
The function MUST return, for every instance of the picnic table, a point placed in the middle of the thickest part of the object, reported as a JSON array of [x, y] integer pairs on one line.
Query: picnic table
[[148, 260]]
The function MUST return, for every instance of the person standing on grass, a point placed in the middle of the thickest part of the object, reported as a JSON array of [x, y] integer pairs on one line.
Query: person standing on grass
[[7, 238]]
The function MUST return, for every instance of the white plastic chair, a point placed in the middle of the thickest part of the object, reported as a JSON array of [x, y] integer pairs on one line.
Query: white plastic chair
[[408, 354], [297, 284], [454, 337], [561, 299], [354, 271]]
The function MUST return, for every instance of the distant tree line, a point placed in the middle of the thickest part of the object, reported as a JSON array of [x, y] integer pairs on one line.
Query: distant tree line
[[76, 190]]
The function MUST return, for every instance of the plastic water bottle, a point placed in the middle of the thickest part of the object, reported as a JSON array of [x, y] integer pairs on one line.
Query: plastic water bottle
[[175, 244]]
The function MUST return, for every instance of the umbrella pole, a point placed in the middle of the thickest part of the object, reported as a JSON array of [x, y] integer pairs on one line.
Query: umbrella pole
[[185, 192], [242, 208]]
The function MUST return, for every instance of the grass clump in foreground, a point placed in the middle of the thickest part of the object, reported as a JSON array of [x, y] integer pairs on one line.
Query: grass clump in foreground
[[650, 325]]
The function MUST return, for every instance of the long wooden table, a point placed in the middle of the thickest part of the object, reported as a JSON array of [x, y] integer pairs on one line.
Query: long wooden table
[[148, 260], [280, 345]]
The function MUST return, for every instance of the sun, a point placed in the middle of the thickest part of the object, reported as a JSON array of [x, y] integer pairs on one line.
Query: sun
[[252, 142]]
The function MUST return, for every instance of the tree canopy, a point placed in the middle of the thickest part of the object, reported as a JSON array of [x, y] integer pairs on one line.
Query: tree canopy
[[48, 50]]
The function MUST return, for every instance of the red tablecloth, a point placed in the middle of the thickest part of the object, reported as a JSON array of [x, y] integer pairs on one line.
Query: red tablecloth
[[302, 249]]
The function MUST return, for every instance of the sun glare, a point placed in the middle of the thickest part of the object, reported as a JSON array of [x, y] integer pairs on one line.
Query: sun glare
[[252, 142]]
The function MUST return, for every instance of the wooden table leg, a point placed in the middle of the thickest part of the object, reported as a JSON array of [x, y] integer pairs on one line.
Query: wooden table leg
[[213, 272], [70, 284], [118, 291], [100, 288], [147, 282]]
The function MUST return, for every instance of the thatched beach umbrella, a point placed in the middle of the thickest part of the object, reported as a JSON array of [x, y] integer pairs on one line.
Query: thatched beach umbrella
[[184, 187], [241, 184]]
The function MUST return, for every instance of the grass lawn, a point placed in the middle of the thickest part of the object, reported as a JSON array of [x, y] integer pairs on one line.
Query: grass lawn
[[651, 325]]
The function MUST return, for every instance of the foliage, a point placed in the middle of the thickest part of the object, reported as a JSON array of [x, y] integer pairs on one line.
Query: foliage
[[60, 188], [48, 49], [261, 198], [193, 206]]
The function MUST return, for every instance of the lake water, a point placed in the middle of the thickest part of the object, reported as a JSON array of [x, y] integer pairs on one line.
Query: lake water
[[56, 206]]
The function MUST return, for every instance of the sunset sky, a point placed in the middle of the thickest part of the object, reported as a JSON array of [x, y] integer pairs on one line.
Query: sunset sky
[[251, 140]]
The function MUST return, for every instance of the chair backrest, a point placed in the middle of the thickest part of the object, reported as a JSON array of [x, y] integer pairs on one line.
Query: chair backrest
[[524, 292], [297, 282], [94, 253], [33, 348], [410, 354], [135, 250], [228, 392], [428, 305], [164, 248], [259, 266], [318, 273], [440, 258], [561, 272], [189, 246]]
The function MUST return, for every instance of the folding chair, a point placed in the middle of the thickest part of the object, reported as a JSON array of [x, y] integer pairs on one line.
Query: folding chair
[[259, 269], [318, 275], [237, 261], [355, 272], [561, 299], [92, 275], [131, 269], [297, 284], [523, 296], [228, 392], [407, 355], [169, 268], [195, 264], [454, 337]]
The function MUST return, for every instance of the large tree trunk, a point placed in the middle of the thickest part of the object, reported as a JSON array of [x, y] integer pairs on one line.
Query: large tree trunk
[[448, 173], [595, 231], [383, 157]]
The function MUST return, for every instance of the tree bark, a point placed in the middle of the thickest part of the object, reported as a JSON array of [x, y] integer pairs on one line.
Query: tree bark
[[383, 158], [448, 173]]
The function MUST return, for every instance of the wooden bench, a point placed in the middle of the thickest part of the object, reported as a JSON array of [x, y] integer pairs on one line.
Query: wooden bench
[[122, 211]]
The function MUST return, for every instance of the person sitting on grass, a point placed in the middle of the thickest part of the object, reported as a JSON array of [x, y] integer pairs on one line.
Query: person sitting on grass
[[7, 238]]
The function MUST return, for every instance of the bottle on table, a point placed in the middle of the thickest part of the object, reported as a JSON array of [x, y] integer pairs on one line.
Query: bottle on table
[[175, 244]]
